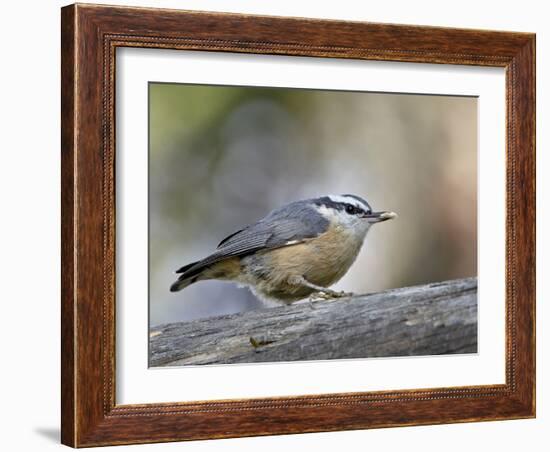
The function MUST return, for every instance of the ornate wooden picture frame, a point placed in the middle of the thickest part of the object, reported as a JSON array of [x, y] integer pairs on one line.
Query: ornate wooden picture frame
[[90, 37]]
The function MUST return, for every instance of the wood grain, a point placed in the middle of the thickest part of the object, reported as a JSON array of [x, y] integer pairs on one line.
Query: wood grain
[[68, 245], [431, 319], [90, 36]]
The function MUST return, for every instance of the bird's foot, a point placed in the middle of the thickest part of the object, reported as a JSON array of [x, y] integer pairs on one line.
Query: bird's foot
[[342, 294], [328, 294]]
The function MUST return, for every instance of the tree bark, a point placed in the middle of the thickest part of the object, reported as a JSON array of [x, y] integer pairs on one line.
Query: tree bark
[[432, 319]]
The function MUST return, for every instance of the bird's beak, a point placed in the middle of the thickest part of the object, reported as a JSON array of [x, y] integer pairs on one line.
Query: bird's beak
[[378, 217]]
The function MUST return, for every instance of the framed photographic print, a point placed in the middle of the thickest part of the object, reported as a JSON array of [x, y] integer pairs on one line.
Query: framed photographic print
[[281, 225]]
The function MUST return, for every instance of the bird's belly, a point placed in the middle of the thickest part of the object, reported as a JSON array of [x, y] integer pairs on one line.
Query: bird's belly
[[329, 266], [320, 262]]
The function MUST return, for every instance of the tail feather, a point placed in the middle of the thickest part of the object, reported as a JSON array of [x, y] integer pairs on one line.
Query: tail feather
[[184, 279], [186, 267], [188, 274], [182, 282], [206, 269]]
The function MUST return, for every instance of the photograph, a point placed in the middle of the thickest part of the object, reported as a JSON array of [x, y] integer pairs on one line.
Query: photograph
[[292, 224]]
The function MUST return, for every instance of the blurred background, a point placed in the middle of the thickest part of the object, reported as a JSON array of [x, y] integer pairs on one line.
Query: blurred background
[[223, 157]]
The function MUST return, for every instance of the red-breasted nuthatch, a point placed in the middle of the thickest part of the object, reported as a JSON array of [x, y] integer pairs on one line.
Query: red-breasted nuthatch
[[296, 250]]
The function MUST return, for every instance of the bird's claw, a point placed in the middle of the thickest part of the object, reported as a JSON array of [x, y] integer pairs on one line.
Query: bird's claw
[[328, 295], [343, 294]]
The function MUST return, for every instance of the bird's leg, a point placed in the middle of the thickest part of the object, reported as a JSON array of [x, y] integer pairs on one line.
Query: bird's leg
[[320, 291]]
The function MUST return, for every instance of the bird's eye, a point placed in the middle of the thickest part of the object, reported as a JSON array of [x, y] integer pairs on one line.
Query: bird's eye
[[351, 209]]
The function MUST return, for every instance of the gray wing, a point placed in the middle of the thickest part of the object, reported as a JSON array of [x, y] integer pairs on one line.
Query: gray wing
[[289, 225]]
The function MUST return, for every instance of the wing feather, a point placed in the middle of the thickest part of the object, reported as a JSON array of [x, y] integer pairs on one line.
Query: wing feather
[[287, 226]]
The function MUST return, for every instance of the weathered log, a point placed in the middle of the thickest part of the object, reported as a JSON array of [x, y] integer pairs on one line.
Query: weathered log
[[432, 319]]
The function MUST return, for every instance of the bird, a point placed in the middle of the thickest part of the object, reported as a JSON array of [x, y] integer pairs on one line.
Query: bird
[[296, 251]]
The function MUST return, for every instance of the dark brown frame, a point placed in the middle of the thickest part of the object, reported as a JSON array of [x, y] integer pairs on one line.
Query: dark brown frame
[[90, 35]]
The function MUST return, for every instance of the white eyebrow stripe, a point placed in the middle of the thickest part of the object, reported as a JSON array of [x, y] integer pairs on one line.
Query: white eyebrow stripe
[[348, 200]]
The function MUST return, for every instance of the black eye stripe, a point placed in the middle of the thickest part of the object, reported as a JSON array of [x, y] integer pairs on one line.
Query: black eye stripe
[[344, 206], [351, 209]]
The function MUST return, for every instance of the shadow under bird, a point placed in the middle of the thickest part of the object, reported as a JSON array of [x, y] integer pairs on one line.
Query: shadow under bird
[[296, 251]]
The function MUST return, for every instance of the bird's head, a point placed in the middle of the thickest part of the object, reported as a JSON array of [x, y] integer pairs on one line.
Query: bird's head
[[350, 212]]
